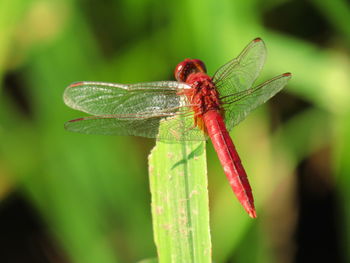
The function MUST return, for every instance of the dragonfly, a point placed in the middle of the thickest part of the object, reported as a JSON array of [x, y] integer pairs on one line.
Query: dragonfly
[[195, 107]]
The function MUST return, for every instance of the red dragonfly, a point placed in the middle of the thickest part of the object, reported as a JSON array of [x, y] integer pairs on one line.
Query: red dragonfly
[[193, 108]]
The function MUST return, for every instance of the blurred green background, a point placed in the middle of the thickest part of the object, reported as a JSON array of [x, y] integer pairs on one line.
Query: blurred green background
[[81, 198]]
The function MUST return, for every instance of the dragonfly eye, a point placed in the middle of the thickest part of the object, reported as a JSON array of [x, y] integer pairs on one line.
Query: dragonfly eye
[[187, 67], [199, 65]]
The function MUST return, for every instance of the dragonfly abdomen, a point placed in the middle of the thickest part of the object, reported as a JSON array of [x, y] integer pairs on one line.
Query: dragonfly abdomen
[[229, 159]]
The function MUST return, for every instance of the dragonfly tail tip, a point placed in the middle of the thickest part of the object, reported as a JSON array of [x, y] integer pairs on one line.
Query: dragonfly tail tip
[[252, 213]]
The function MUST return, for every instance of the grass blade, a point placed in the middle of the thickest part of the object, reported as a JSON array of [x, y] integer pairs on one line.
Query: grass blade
[[180, 207]]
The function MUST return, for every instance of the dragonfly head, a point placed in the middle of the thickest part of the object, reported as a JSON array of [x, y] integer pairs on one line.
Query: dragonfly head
[[187, 67]]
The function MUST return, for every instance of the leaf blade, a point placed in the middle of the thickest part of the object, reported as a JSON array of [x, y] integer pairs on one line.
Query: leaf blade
[[180, 207]]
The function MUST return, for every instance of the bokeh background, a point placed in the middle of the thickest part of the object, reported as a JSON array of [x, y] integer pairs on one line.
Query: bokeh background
[[78, 198]]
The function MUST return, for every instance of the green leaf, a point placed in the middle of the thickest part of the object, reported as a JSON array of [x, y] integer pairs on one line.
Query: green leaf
[[180, 207]]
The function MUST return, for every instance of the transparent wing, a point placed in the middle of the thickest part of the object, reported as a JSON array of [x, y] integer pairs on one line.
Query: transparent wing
[[147, 99], [136, 109], [173, 128], [240, 73], [239, 105]]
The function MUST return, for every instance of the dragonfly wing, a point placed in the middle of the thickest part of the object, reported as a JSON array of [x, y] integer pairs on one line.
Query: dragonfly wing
[[174, 128], [180, 128], [240, 73], [148, 99], [239, 105]]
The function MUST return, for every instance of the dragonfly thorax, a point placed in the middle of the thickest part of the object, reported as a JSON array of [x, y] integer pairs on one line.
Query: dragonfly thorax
[[203, 96]]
